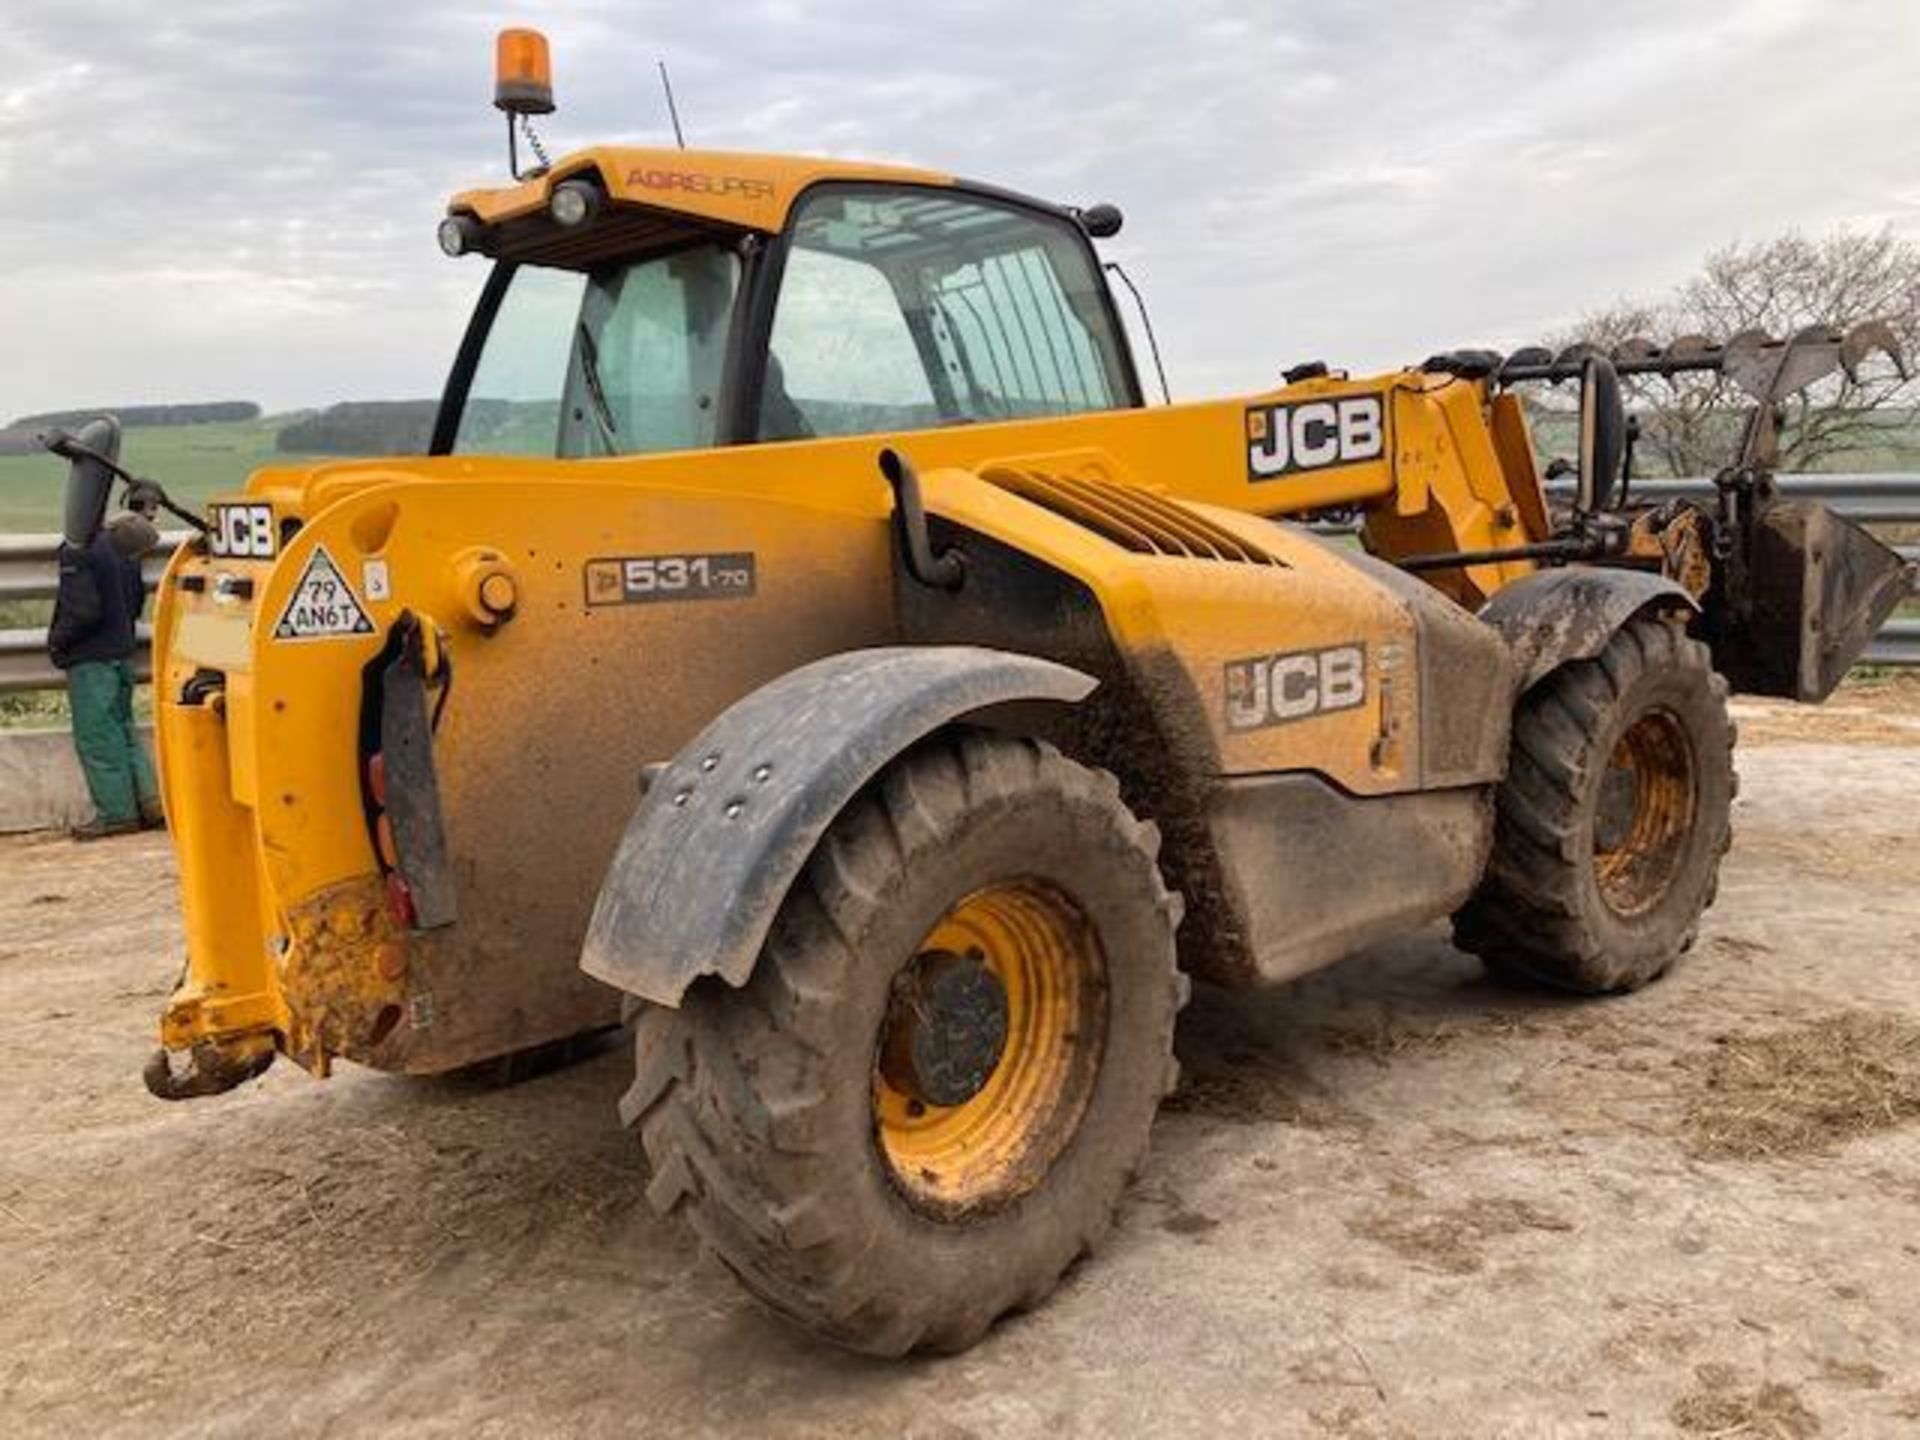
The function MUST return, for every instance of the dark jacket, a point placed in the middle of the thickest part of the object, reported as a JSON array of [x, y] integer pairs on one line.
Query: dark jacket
[[98, 603]]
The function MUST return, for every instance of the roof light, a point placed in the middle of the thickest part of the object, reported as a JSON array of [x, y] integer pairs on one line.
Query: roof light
[[573, 202], [522, 73], [458, 234]]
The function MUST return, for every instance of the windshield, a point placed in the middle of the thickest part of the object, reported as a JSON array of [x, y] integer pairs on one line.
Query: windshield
[[621, 360]]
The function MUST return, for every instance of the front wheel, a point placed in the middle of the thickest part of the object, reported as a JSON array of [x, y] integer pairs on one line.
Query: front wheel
[[927, 1100], [1612, 818]]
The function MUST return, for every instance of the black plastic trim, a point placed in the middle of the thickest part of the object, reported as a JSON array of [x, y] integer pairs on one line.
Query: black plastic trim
[[453, 399]]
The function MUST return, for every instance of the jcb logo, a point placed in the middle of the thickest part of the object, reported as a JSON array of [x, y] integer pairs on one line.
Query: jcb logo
[[1315, 434], [1273, 689], [242, 532]]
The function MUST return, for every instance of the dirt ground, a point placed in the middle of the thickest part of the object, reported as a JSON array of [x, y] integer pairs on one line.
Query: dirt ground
[[1391, 1200]]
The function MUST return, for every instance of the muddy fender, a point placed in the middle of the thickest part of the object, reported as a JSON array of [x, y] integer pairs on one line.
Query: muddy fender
[[1555, 616], [725, 827]]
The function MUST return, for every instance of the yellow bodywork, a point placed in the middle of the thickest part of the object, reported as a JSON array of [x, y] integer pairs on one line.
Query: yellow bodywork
[[555, 710], [754, 192]]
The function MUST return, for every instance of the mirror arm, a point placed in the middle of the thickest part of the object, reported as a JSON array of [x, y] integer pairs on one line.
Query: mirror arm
[[60, 443]]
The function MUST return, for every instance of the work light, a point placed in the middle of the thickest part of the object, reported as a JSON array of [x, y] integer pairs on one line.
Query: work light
[[573, 202]]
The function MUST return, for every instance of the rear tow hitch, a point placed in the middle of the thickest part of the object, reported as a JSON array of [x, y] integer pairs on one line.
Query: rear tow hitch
[[204, 1069]]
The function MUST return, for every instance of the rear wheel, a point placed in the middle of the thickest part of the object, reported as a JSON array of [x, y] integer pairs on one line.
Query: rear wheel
[[1612, 819], [926, 1102]]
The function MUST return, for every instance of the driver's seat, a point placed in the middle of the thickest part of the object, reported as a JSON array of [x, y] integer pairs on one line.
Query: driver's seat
[[780, 417]]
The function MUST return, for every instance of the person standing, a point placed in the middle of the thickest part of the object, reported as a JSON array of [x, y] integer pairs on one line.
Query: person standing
[[92, 638]]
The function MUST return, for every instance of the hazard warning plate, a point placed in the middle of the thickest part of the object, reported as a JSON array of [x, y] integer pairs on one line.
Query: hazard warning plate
[[322, 606]]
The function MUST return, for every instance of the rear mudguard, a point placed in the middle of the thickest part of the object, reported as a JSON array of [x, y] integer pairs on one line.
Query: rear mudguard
[[725, 828], [1555, 616]]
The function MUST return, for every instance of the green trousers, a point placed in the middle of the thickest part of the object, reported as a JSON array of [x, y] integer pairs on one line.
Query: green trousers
[[119, 774]]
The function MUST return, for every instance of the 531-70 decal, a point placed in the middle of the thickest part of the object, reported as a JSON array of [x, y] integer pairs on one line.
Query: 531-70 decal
[[650, 579]]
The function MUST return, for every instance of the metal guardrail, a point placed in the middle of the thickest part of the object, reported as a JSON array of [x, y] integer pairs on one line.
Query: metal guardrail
[[27, 565], [27, 572], [1887, 499], [1898, 643]]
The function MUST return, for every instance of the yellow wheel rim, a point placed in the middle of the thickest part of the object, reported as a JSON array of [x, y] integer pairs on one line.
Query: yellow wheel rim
[[1646, 811], [976, 1155]]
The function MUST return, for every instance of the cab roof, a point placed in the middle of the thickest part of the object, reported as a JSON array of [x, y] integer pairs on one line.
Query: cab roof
[[747, 191]]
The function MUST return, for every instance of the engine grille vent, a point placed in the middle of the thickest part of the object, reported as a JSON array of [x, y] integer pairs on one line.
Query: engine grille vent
[[1133, 519]]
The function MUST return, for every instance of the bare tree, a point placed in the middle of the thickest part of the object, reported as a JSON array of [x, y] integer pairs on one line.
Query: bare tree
[[1691, 426]]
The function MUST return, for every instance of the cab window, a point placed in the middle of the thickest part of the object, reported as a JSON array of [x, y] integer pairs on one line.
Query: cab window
[[902, 309], [623, 360]]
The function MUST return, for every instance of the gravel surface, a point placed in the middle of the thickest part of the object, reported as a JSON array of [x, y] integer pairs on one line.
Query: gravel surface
[[1391, 1200]]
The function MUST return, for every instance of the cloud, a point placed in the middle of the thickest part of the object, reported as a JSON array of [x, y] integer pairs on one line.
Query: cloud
[[238, 198]]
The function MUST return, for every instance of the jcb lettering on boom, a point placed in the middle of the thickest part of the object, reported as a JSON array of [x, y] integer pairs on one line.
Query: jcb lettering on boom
[[1314, 435]]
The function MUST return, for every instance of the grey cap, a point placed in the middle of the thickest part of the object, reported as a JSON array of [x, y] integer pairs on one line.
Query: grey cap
[[132, 534]]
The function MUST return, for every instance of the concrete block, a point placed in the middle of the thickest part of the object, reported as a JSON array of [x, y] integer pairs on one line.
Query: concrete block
[[41, 787]]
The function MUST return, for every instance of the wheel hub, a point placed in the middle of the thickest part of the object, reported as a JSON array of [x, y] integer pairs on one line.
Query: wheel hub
[[946, 1029], [987, 1053], [1644, 811]]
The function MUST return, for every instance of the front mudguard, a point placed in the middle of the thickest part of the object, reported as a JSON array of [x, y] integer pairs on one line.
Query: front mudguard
[[1553, 617], [725, 827]]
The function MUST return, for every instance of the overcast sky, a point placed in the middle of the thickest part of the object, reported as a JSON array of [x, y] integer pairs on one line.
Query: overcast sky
[[205, 200]]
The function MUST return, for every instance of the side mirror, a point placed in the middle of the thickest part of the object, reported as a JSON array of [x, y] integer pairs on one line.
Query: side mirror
[[1101, 221], [89, 482], [1603, 434]]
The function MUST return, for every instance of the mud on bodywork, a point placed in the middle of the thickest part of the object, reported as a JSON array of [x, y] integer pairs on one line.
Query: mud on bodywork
[[342, 991], [725, 828], [344, 975], [1556, 616]]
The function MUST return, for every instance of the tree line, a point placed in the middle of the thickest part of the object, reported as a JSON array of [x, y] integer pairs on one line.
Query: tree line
[[136, 416], [1690, 425]]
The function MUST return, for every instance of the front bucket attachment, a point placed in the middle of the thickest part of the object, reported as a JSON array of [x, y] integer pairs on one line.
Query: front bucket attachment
[[1816, 589]]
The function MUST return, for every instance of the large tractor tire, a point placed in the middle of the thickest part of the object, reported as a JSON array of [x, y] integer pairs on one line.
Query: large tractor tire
[[1612, 819], [925, 1104]]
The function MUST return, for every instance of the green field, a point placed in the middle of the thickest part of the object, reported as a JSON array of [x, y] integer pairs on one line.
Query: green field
[[191, 461]]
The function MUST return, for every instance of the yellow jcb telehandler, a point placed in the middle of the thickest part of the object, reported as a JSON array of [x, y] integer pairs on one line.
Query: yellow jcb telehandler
[[803, 634]]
